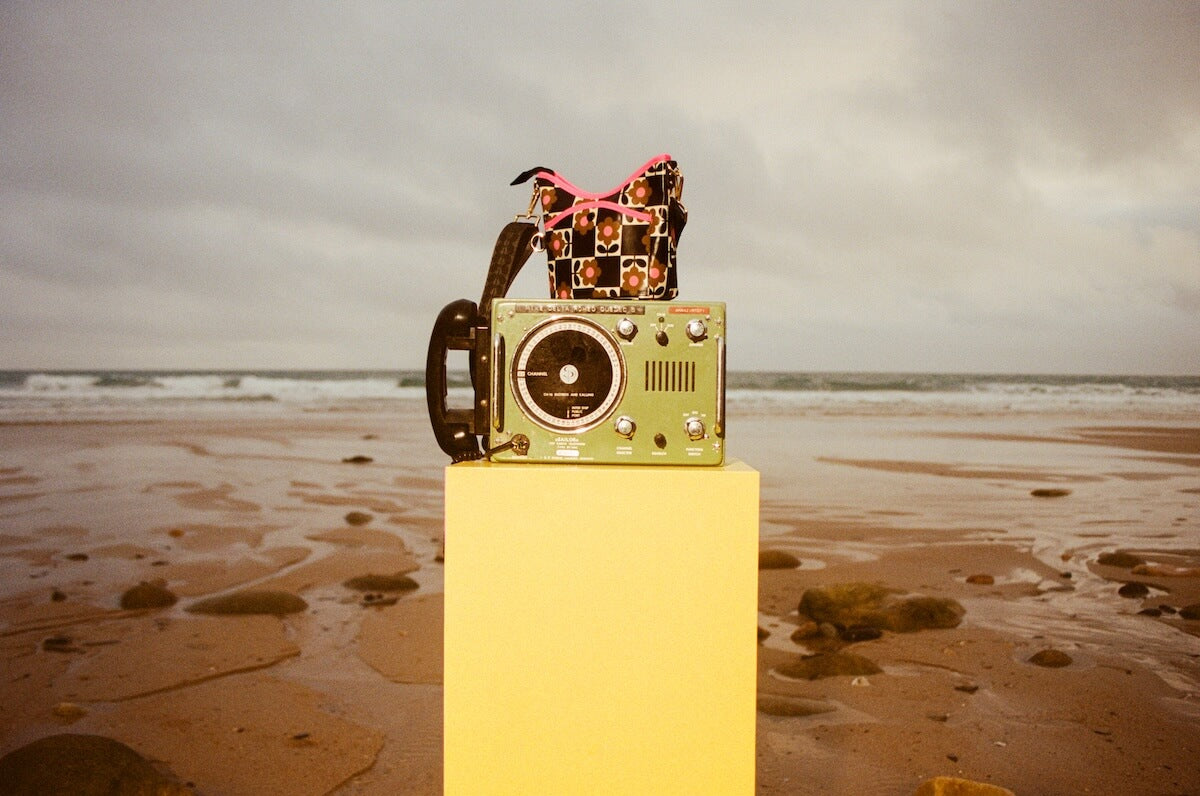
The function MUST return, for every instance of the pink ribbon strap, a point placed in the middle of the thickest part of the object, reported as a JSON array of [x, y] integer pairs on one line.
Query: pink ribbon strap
[[564, 183]]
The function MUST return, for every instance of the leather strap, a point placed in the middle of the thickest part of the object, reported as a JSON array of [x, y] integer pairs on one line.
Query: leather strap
[[513, 248]]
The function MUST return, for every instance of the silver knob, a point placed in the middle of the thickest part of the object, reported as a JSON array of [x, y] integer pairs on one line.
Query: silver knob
[[624, 426], [696, 330], [626, 329], [694, 428]]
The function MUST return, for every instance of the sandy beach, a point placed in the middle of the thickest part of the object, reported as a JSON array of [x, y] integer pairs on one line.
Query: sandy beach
[[1013, 516]]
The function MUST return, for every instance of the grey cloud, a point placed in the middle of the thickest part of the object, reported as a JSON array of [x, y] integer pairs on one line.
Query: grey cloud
[[306, 184]]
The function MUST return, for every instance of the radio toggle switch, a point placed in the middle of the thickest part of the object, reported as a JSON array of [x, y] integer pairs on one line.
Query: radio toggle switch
[[694, 427], [624, 426], [626, 329], [696, 330]]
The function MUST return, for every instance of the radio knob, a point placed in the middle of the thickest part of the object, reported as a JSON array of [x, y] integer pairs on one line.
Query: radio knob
[[626, 329], [624, 426], [661, 337], [694, 428], [696, 330]]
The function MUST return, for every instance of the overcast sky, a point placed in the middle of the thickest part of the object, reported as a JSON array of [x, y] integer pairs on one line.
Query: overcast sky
[[899, 186]]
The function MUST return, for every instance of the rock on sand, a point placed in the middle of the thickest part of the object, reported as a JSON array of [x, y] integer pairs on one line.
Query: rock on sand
[[249, 602], [1120, 559], [154, 594], [777, 559], [828, 664], [792, 707], [871, 605], [954, 786], [397, 582], [83, 765]]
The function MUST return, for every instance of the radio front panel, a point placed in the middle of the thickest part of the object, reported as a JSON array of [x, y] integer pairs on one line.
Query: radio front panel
[[607, 382]]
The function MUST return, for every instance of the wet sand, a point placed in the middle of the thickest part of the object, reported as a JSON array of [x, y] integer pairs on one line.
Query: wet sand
[[344, 696]]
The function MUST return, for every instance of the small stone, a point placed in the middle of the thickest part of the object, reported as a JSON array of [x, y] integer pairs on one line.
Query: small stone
[[77, 557], [382, 583], [1190, 611], [918, 613], [1150, 612], [1051, 659], [777, 559], [981, 580], [60, 644], [1167, 609], [763, 633], [941, 718], [1134, 590], [1120, 559], [787, 707], [68, 710], [1050, 493], [967, 688], [175, 533], [860, 633], [955, 786], [828, 664], [57, 596], [357, 460], [244, 603], [358, 518], [148, 595]]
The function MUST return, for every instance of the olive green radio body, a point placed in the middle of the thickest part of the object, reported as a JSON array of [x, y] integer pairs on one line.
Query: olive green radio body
[[607, 382]]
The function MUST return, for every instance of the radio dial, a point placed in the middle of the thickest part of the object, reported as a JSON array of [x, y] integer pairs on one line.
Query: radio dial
[[694, 428], [696, 330], [624, 426], [661, 337], [626, 329]]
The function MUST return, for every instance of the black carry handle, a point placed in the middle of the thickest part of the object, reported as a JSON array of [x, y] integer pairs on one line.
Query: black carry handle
[[464, 326], [456, 329]]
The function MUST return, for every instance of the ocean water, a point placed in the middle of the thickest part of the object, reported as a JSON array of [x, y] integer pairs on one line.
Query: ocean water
[[32, 395]]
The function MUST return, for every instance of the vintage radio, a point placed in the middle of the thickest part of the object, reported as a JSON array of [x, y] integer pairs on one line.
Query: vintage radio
[[601, 382], [635, 382]]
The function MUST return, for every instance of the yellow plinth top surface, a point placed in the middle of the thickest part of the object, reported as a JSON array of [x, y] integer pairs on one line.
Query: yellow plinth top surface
[[600, 629]]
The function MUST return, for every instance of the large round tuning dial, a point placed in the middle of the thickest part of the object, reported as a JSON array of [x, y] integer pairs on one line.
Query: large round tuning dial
[[568, 374]]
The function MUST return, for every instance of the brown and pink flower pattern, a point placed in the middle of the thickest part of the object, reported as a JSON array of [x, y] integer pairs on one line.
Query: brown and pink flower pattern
[[603, 252]]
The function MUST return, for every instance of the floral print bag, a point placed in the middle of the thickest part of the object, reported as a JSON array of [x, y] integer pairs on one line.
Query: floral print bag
[[618, 244]]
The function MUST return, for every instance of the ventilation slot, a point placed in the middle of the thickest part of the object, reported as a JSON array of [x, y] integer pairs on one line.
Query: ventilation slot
[[670, 376]]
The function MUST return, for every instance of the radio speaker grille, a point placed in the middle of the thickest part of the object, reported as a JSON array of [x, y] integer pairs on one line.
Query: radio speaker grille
[[670, 376]]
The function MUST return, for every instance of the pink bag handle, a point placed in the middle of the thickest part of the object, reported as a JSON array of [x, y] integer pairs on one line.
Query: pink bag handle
[[550, 176]]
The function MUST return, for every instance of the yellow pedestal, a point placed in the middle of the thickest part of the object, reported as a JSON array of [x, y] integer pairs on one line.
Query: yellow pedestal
[[600, 629]]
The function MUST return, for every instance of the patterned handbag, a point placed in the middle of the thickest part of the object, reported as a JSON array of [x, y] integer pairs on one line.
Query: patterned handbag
[[617, 244]]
